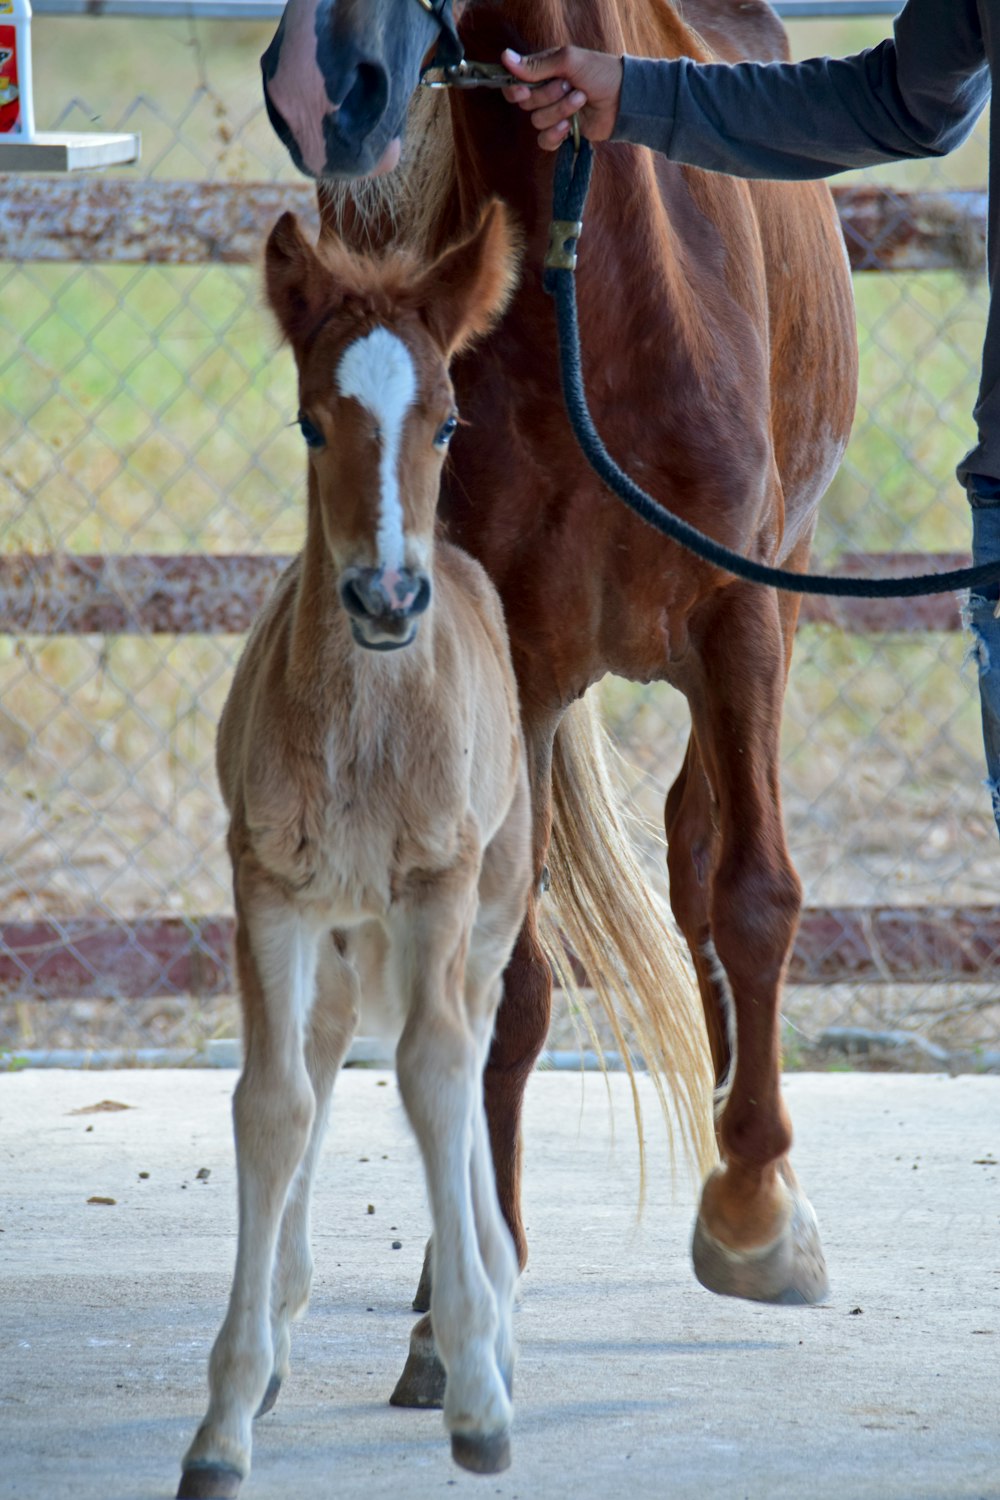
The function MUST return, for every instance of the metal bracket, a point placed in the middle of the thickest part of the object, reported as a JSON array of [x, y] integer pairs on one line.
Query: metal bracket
[[470, 75], [559, 256]]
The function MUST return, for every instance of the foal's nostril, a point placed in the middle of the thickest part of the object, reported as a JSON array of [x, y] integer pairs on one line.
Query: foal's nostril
[[422, 598], [356, 598], [366, 101]]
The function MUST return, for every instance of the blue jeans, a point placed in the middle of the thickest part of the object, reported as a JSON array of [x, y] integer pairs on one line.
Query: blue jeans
[[984, 497]]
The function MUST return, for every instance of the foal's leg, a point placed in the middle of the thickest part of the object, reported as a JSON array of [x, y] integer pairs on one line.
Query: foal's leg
[[438, 1064], [522, 1022], [422, 1383], [756, 1234], [505, 884], [331, 1028], [496, 1245], [273, 1110]]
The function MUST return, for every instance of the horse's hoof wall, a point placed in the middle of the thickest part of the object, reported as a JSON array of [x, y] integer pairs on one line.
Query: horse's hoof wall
[[790, 1271], [269, 1398], [421, 1383], [209, 1482], [422, 1296], [482, 1455]]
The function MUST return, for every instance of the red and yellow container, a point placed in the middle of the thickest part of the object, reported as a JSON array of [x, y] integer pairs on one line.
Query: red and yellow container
[[16, 112]]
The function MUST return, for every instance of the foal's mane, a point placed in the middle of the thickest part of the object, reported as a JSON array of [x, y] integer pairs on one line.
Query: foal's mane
[[405, 206]]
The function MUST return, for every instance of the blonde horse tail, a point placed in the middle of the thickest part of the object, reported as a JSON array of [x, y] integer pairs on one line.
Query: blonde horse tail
[[621, 934]]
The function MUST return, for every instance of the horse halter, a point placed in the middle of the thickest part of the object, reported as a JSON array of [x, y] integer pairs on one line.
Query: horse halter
[[448, 68], [450, 52]]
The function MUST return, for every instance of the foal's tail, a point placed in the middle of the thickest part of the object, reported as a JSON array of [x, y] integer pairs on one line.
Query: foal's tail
[[622, 934]]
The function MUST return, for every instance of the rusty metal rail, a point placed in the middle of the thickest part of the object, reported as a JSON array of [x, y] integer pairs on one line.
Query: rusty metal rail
[[156, 222], [219, 594], [80, 958]]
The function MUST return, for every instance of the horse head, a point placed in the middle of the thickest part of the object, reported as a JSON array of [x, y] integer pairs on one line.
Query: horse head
[[338, 76], [373, 340]]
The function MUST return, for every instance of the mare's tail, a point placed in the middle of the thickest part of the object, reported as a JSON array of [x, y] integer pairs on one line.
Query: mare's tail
[[622, 935]]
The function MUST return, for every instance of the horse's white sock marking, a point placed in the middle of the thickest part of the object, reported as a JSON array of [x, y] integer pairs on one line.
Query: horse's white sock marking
[[378, 372]]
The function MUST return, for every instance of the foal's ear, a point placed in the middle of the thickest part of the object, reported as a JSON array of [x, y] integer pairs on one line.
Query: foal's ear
[[467, 288], [295, 279]]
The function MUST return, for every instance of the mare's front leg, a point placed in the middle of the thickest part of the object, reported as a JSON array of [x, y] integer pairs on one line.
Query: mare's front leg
[[439, 1062], [756, 1233], [332, 1025], [273, 1110]]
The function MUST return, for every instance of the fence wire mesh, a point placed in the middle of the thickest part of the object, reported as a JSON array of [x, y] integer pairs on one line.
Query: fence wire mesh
[[146, 410]]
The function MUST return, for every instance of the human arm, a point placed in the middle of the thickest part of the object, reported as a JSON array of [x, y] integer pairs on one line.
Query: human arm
[[916, 94]]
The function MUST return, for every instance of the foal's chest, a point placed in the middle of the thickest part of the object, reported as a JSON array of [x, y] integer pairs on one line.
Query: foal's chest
[[361, 822]]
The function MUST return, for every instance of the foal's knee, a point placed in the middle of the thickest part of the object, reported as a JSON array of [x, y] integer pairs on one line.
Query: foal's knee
[[273, 1116], [434, 1048]]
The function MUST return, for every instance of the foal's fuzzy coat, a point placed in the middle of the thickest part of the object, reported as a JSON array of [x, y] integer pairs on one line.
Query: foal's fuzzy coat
[[370, 755]]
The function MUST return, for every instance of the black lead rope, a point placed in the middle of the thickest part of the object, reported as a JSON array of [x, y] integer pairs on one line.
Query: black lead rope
[[572, 180]]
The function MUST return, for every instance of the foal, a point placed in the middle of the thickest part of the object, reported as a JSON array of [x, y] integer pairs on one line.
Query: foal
[[370, 755]]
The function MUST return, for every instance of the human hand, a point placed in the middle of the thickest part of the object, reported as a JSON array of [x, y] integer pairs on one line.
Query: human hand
[[572, 81]]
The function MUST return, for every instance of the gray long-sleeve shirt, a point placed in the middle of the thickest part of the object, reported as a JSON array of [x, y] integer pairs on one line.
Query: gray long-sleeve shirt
[[916, 94]]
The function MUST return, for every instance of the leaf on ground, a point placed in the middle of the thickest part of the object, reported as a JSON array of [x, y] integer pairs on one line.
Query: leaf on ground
[[100, 1198], [106, 1107]]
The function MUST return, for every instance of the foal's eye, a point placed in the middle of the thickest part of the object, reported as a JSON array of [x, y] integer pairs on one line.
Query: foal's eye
[[446, 430], [311, 432]]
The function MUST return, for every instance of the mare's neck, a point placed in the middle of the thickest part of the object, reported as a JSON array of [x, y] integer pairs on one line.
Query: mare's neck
[[495, 146]]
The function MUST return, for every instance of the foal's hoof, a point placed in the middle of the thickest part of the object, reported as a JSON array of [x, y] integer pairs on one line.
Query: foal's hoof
[[269, 1397], [423, 1378], [209, 1482], [790, 1270], [483, 1455]]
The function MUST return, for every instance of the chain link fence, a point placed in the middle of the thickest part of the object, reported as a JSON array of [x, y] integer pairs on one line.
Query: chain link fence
[[144, 413]]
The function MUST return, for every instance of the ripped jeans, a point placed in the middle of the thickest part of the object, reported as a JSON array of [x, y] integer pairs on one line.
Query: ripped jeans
[[984, 498]]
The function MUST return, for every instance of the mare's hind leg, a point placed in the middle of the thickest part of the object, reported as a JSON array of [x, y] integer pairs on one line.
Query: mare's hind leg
[[756, 1234], [692, 850], [331, 1028], [273, 1107]]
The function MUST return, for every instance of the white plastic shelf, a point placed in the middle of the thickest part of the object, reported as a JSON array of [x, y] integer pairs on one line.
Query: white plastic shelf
[[67, 151]]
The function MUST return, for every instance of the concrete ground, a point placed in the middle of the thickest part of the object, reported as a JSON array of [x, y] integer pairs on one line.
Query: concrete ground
[[632, 1381]]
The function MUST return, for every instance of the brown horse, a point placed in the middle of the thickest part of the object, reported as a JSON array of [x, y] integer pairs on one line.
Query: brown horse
[[719, 354]]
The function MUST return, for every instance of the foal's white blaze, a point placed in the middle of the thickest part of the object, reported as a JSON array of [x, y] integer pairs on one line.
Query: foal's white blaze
[[378, 372]]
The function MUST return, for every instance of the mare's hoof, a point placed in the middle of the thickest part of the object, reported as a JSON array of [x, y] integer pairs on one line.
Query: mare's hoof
[[209, 1482], [422, 1296], [790, 1270], [423, 1379], [421, 1383], [269, 1398], [483, 1455]]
